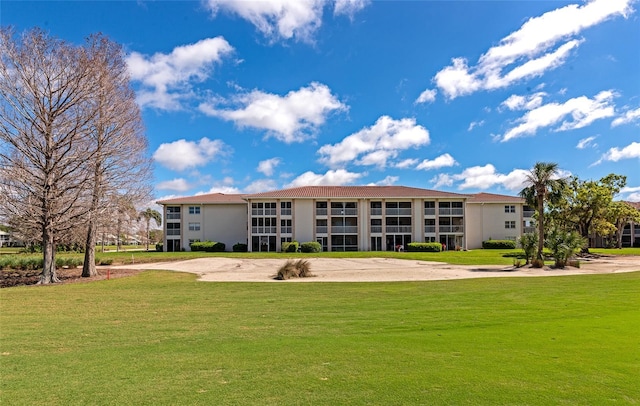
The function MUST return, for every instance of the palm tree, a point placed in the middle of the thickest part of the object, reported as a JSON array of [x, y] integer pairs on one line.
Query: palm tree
[[542, 183], [147, 215]]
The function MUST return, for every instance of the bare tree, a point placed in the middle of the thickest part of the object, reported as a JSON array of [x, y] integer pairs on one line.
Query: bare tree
[[120, 166], [45, 87]]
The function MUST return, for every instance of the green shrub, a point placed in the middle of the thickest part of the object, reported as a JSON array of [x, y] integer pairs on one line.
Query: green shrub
[[529, 243], [498, 244], [68, 262], [311, 246], [208, 246], [290, 246], [298, 269], [159, 247], [104, 261], [239, 247], [424, 247], [564, 245]]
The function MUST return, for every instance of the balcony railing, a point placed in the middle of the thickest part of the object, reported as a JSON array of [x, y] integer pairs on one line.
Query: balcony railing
[[285, 230], [173, 232], [376, 229], [263, 212], [344, 230], [321, 229], [399, 229], [173, 216], [529, 230], [321, 212], [429, 229], [344, 212], [528, 213], [451, 229], [398, 212], [626, 231], [376, 211], [451, 212], [285, 212], [429, 212], [264, 230]]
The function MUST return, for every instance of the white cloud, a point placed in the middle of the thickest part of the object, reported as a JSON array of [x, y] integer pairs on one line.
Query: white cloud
[[517, 102], [428, 96], [388, 181], [261, 185], [268, 166], [629, 117], [377, 144], [442, 161], [483, 177], [633, 197], [179, 185], [406, 163], [331, 178], [587, 142], [349, 7], [540, 44], [615, 154], [582, 111], [182, 154], [634, 193], [475, 124], [629, 189], [291, 118], [285, 19], [226, 186], [166, 79]]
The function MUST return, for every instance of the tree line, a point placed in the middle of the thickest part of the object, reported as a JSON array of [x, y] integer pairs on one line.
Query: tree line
[[570, 210], [73, 148]]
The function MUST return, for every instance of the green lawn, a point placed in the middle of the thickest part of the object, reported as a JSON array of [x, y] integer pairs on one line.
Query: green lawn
[[162, 338]]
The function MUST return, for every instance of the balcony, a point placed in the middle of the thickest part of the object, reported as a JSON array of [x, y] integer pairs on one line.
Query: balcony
[[626, 231], [451, 229], [344, 230], [528, 213], [321, 229], [529, 230], [264, 230], [173, 232], [321, 212], [285, 212], [430, 212], [376, 229], [285, 230], [399, 229], [451, 212], [397, 212], [173, 216], [376, 211], [344, 212], [429, 229]]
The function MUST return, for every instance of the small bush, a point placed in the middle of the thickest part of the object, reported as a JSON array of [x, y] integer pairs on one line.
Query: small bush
[[290, 246], [239, 247], [537, 263], [424, 247], [208, 246], [498, 244], [104, 261], [294, 269], [68, 262], [311, 246], [159, 247]]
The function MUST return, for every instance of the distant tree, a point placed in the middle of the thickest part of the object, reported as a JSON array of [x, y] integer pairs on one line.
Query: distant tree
[[543, 183], [46, 86], [589, 202], [528, 242], [148, 215], [620, 213]]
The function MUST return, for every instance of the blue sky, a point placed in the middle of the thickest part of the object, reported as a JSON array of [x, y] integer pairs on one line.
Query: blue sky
[[462, 96]]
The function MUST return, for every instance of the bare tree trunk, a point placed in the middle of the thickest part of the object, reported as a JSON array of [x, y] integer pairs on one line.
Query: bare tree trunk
[[89, 265], [540, 224], [49, 274]]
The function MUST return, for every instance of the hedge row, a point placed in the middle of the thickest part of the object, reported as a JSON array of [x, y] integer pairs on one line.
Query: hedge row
[[290, 246], [498, 244], [311, 246], [424, 247], [208, 246], [32, 263], [240, 247]]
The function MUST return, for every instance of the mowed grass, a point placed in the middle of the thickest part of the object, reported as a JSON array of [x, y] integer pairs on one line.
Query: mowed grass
[[162, 338]]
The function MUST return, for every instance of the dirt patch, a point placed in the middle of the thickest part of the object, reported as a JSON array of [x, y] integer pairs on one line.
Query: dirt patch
[[10, 278]]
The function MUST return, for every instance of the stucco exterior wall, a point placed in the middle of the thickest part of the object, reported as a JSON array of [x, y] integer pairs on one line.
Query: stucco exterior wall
[[225, 223], [304, 218], [487, 221]]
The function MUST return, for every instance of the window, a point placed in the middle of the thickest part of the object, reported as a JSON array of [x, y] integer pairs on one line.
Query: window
[[173, 228], [509, 209], [194, 209], [173, 213], [285, 226], [285, 208], [194, 226], [509, 224]]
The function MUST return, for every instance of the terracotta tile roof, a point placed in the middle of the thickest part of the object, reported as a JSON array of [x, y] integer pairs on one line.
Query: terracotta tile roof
[[211, 198], [494, 198], [330, 192], [634, 204]]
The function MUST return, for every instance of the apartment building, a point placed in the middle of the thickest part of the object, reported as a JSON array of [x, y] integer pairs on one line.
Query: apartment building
[[344, 218]]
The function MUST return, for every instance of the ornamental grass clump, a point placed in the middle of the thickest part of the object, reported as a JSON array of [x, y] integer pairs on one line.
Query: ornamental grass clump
[[294, 269]]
